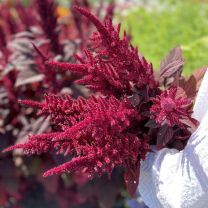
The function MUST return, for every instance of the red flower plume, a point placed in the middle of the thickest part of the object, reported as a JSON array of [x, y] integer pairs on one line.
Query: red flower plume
[[95, 130], [171, 109]]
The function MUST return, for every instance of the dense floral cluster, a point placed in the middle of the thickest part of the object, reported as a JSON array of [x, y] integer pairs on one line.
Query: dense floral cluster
[[130, 110], [115, 67], [95, 130], [167, 108]]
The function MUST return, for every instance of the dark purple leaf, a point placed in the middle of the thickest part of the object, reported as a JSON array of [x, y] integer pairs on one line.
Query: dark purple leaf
[[191, 124], [177, 144], [152, 124], [172, 63], [165, 134], [191, 86], [131, 178], [135, 99]]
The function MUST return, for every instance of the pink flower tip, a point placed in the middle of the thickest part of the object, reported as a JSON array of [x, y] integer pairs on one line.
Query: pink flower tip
[[9, 149]]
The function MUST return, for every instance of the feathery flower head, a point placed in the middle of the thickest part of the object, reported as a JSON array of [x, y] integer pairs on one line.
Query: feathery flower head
[[115, 67], [95, 130], [170, 108]]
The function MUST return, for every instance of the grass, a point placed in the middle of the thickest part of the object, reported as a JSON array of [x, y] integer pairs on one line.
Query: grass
[[156, 31]]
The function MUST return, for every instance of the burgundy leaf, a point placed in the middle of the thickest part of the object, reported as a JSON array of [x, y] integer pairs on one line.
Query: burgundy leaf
[[152, 124], [164, 136], [191, 86], [131, 178], [172, 63], [135, 99]]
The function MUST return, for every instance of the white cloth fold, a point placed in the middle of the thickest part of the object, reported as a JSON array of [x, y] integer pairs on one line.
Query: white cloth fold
[[173, 179]]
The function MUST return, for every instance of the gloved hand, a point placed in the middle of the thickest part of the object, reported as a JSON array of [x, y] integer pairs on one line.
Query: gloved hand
[[179, 179]]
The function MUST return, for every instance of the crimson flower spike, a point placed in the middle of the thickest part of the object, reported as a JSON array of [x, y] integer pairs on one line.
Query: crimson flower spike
[[78, 68], [39, 53], [31, 103], [70, 166], [98, 24]]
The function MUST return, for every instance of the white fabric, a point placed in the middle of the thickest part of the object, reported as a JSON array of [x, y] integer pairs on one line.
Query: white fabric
[[201, 103], [173, 179]]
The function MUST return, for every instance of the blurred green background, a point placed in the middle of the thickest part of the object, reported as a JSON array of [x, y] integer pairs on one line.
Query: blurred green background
[[158, 27]]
